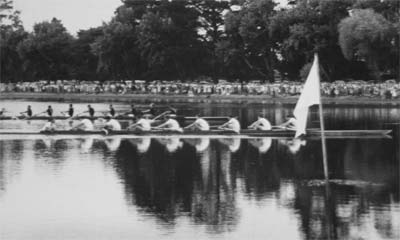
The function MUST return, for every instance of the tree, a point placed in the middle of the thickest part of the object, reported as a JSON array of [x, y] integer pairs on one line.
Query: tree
[[366, 35], [308, 27], [169, 41], [117, 51], [11, 34], [390, 9], [211, 28], [248, 40], [46, 51], [84, 61]]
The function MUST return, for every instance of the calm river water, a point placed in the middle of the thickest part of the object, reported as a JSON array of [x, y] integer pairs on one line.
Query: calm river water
[[54, 187]]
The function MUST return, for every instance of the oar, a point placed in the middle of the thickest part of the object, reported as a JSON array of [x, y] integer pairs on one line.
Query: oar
[[162, 114], [174, 110], [38, 114], [75, 115]]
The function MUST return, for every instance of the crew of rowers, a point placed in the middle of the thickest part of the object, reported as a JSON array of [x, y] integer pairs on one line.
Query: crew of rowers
[[144, 122]]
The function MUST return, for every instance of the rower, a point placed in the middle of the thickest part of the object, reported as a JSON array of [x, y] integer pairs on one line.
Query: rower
[[232, 125], [49, 126], [2, 111], [200, 124], [91, 111], [28, 111], [70, 111], [84, 125], [151, 110], [111, 125], [290, 124], [170, 124], [261, 124], [143, 124], [49, 111], [112, 110], [134, 112]]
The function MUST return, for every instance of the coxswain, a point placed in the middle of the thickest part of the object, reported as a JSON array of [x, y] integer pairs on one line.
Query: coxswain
[[232, 125], [290, 124], [111, 125], [28, 111], [49, 126], [261, 124], [70, 111], [84, 125], [91, 111], [170, 124], [200, 124], [49, 111], [142, 124]]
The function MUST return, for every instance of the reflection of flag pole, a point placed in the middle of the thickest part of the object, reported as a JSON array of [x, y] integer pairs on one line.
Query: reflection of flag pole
[[324, 154]]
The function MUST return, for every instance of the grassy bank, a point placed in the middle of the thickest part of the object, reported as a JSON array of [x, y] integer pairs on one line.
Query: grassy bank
[[143, 98]]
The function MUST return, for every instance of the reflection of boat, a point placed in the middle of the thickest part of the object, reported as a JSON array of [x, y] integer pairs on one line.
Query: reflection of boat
[[201, 144], [294, 144], [232, 143], [113, 143], [87, 144], [142, 144], [262, 144], [244, 133], [171, 144]]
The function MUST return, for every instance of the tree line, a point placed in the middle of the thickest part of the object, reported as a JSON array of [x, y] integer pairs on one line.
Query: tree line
[[203, 39]]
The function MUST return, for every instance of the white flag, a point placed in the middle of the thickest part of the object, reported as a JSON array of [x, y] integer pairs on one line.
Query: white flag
[[309, 96]]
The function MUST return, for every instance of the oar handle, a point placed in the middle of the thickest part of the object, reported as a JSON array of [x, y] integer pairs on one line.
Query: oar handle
[[39, 113], [76, 115]]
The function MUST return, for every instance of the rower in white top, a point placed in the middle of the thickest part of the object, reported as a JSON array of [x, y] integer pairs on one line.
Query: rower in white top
[[232, 125], [261, 124], [170, 124], [49, 126], [200, 124], [143, 124], [111, 125], [290, 124], [84, 125]]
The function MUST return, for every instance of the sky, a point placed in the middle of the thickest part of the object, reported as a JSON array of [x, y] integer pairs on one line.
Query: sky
[[74, 14]]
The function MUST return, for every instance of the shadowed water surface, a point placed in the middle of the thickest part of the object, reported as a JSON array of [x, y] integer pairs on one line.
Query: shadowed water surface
[[170, 188]]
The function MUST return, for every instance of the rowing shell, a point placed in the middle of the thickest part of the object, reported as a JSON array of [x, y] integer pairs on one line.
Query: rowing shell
[[311, 133]]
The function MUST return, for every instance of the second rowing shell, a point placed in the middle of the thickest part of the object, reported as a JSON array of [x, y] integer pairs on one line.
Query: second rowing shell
[[180, 118]]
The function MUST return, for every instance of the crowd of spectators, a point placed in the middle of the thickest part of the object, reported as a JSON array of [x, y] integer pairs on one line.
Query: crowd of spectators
[[388, 89]]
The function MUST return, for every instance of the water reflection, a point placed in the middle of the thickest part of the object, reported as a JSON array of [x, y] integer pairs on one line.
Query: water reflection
[[213, 182], [142, 144], [262, 144], [201, 144], [171, 144]]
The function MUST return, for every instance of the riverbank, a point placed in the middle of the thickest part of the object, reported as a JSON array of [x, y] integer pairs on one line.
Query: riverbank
[[238, 99]]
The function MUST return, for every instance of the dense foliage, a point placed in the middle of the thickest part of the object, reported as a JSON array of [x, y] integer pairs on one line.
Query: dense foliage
[[201, 39]]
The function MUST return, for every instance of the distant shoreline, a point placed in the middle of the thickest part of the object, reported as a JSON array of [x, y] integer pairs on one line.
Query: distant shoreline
[[159, 98]]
